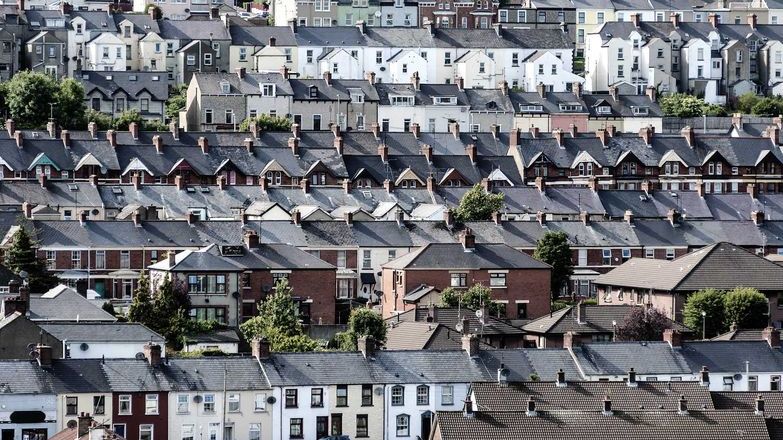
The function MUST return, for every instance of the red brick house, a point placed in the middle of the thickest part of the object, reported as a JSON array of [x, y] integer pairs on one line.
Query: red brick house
[[518, 281]]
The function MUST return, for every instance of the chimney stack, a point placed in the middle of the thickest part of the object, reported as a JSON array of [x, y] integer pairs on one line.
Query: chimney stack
[[347, 186], [204, 144], [51, 127], [540, 184], [251, 239], [468, 240], [636, 19], [426, 151], [293, 144], [416, 81], [133, 129], [296, 130], [760, 407], [259, 348], [383, 151], [675, 19], [541, 89], [328, 78], [174, 129], [179, 182], [576, 89], [573, 129], [366, 345], [19, 136], [560, 379], [628, 216], [338, 145], [603, 136], [704, 377], [448, 217], [646, 135], [241, 72], [558, 135], [44, 355], [689, 135], [416, 130], [757, 217], [296, 217], [541, 218], [388, 185], [682, 406], [92, 127], [772, 336], [348, 217], [370, 77], [470, 151], [455, 129], [305, 184], [673, 337], [152, 352], [65, 135], [632, 378], [607, 406], [673, 216], [375, 129], [751, 189], [470, 343], [753, 21], [513, 138], [136, 181], [534, 131], [10, 126], [221, 182], [157, 140], [84, 425], [111, 136]]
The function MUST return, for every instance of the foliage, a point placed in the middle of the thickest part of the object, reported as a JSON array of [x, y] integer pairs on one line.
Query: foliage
[[746, 102], [153, 125], [266, 122], [70, 106], [278, 322], [29, 95], [683, 105], [363, 322], [21, 256], [201, 353], [475, 297], [768, 106], [150, 6], [109, 308], [746, 307], [477, 204], [177, 101], [643, 324], [559, 305], [553, 249], [709, 301], [102, 119], [534, 377], [165, 311], [122, 121], [590, 302]]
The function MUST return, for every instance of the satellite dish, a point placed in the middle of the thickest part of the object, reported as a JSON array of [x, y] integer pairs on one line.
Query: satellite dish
[[23, 274], [458, 327], [378, 391], [140, 356], [72, 423], [84, 346], [479, 314], [34, 355], [31, 346], [197, 398], [271, 400], [737, 376]]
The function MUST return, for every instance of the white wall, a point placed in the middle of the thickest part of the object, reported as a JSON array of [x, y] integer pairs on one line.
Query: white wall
[[111, 350]]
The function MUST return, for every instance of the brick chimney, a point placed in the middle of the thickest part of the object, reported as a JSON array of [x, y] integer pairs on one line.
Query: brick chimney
[[504, 87], [573, 129], [335, 128], [152, 352], [10, 126], [675, 19], [44, 355], [157, 140], [647, 187], [541, 218], [460, 83], [470, 151], [540, 184], [84, 425], [468, 240], [603, 136], [757, 217], [328, 78], [204, 144], [568, 340], [133, 129], [111, 136], [370, 77], [296, 217], [673, 216], [174, 129], [338, 145], [383, 151], [513, 138], [454, 128], [19, 136], [416, 130], [51, 127], [495, 130], [576, 89], [673, 337], [42, 180], [612, 130], [431, 185], [259, 348], [192, 218], [179, 182], [448, 217], [751, 189], [348, 217], [375, 128], [497, 218], [646, 135], [541, 89], [221, 182], [305, 184], [136, 181], [772, 336], [651, 93], [636, 19], [254, 129], [388, 185], [773, 133], [366, 345], [426, 151], [534, 131], [65, 135], [416, 81], [628, 216], [753, 21], [700, 188], [558, 135], [92, 127], [470, 343], [296, 130], [293, 144], [251, 239], [347, 186], [584, 217], [689, 135], [614, 93]]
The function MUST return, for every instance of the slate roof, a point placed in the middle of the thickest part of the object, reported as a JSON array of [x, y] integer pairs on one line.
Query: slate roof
[[65, 304], [630, 425], [646, 358], [740, 335], [594, 319], [259, 35], [720, 266], [101, 332], [132, 83], [746, 401], [208, 374], [454, 256], [55, 194], [186, 30], [23, 377], [587, 396], [450, 317], [730, 356]]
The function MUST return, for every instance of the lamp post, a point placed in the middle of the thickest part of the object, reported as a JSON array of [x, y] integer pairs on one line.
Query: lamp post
[[703, 324]]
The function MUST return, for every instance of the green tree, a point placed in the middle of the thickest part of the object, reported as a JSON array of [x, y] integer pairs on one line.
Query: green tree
[[178, 99], [122, 121], [102, 119], [164, 311], [278, 322], [643, 324], [714, 110], [711, 302], [746, 102], [554, 250], [681, 105], [768, 106], [70, 108], [21, 256], [475, 297], [29, 95], [153, 125], [746, 307], [266, 122], [477, 204], [363, 322]]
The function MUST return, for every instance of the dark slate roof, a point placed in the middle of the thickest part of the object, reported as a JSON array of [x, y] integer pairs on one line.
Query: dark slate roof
[[209, 83], [259, 35], [730, 356], [490, 100], [338, 90], [525, 364], [55, 194], [746, 401], [616, 359], [135, 375], [741, 335], [450, 317], [187, 30], [66, 305], [720, 266], [23, 377], [594, 319], [424, 96], [623, 105], [587, 396], [454, 256], [101, 332], [132, 83], [317, 368], [142, 23], [208, 374], [655, 205], [631, 425], [78, 376], [96, 20]]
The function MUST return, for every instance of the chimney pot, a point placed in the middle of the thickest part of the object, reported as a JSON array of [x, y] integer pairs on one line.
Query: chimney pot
[[260, 348], [673, 337], [470, 343], [366, 345], [152, 352]]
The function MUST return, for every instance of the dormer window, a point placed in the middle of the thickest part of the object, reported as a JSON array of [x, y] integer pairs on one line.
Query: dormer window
[[445, 100], [79, 28], [570, 107], [357, 96], [640, 111], [603, 109], [225, 87], [532, 108], [402, 100], [267, 90], [126, 32], [313, 92]]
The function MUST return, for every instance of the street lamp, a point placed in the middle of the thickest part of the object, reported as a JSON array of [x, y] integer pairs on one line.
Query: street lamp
[[703, 324]]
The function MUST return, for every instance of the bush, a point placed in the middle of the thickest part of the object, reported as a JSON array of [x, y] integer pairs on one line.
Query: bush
[[770, 106], [746, 102], [266, 123], [477, 205], [710, 301], [746, 307]]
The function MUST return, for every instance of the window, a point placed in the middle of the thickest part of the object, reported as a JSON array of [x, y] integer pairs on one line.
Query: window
[[151, 404], [209, 403], [366, 259], [125, 405], [366, 395], [260, 402], [99, 405], [254, 431], [753, 383], [146, 432], [362, 425], [497, 280], [233, 403], [341, 259], [124, 259], [447, 395], [398, 395], [422, 395], [403, 425], [295, 428], [191, 60], [208, 116], [145, 104], [774, 383], [342, 395], [482, 67], [337, 424], [626, 254], [206, 283], [183, 403], [71, 404], [317, 398], [392, 254], [670, 254], [187, 432], [459, 280], [649, 253], [51, 259], [291, 398], [607, 257], [202, 313], [728, 383]]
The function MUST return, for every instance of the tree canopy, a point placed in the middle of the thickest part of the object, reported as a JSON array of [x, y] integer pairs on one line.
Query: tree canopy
[[31, 97], [684, 105], [643, 324], [363, 322], [478, 204], [709, 301], [22, 256], [553, 249], [178, 99], [746, 307], [165, 310], [475, 297], [266, 122], [278, 322]]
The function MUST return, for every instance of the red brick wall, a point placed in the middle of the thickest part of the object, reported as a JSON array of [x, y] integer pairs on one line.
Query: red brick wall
[[564, 122], [318, 285], [132, 422]]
